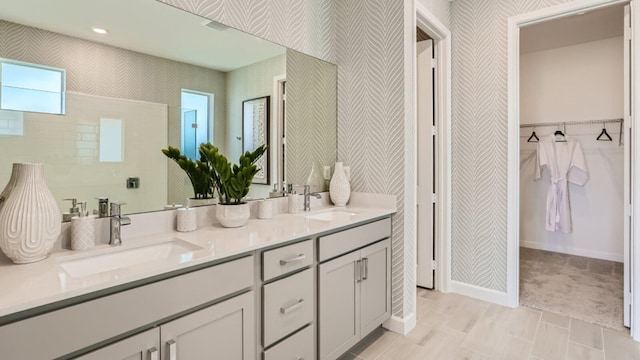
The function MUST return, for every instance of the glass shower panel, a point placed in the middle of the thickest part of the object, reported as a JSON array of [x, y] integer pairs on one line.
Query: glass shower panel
[[190, 133]]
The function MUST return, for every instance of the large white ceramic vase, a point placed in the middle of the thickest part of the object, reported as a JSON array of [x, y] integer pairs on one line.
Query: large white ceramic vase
[[30, 219], [232, 216], [339, 187]]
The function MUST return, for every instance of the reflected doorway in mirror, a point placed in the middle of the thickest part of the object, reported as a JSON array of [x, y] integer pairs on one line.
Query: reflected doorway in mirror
[[255, 132]]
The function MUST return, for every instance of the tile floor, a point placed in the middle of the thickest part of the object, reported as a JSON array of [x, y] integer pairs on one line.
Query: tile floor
[[452, 326]]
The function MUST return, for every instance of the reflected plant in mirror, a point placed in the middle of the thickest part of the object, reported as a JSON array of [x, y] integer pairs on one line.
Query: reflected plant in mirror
[[198, 171]]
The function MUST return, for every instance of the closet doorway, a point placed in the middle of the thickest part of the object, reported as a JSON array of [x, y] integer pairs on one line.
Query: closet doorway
[[575, 167], [429, 82], [426, 199]]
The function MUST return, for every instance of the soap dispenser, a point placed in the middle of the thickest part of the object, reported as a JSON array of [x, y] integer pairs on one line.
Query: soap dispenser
[[83, 229], [293, 200], [73, 210]]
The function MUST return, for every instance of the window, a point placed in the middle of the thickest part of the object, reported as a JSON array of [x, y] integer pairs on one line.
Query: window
[[197, 121], [31, 87]]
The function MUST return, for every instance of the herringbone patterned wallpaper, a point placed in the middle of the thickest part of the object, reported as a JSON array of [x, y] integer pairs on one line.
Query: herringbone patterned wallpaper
[[479, 133], [311, 116]]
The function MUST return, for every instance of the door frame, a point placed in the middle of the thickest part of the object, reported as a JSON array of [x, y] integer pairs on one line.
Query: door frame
[[277, 128], [513, 170], [425, 136], [441, 35]]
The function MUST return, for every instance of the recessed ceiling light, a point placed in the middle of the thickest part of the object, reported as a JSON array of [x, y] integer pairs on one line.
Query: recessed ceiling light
[[100, 31]]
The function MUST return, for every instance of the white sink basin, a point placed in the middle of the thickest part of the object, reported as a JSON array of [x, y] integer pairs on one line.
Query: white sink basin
[[123, 257], [332, 215]]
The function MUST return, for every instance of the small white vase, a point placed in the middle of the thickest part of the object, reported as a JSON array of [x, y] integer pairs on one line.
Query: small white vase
[[186, 220], [232, 216], [265, 209], [339, 187], [30, 219]]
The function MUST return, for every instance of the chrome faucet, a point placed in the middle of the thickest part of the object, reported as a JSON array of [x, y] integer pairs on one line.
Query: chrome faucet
[[307, 197], [117, 220]]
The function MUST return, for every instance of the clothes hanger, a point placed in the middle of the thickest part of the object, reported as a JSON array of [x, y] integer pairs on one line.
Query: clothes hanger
[[533, 137], [559, 133], [604, 135]]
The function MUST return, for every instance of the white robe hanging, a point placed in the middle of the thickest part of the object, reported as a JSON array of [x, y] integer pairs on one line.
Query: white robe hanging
[[565, 163]]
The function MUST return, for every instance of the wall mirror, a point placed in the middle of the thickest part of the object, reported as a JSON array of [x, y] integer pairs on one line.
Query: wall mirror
[[142, 75]]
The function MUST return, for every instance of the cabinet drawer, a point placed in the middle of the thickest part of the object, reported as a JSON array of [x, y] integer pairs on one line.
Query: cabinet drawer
[[344, 241], [286, 259], [288, 305], [299, 346]]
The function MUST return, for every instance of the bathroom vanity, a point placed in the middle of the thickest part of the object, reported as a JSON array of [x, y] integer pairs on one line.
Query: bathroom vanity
[[306, 286]]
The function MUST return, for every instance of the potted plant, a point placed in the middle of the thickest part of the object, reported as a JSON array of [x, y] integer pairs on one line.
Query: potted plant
[[199, 174], [232, 182]]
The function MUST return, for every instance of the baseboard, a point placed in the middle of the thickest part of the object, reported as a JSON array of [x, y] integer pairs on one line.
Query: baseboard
[[479, 293], [572, 251], [400, 325]]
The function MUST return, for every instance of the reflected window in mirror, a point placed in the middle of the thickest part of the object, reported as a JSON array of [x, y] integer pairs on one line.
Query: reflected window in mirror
[[197, 121], [31, 87]]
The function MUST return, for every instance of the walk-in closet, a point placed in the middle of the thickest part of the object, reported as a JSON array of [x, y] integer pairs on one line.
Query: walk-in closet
[[574, 166]]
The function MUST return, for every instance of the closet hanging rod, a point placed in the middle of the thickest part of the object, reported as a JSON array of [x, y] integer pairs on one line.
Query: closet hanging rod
[[565, 123]]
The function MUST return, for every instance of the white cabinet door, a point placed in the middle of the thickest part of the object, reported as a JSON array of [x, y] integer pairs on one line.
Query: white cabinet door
[[221, 331], [143, 346], [375, 290], [339, 313]]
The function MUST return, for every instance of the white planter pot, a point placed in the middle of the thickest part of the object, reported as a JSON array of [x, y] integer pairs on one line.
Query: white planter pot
[[30, 219], [339, 187], [232, 216]]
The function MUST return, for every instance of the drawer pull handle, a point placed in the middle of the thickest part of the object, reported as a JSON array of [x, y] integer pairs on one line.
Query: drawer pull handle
[[365, 272], [358, 271], [300, 358], [297, 258], [173, 350], [153, 354], [295, 306]]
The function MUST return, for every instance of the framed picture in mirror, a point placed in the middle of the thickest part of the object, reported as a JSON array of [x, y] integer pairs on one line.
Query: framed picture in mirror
[[255, 132]]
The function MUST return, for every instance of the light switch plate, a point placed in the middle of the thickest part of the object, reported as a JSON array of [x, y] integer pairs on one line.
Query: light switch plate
[[326, 172]]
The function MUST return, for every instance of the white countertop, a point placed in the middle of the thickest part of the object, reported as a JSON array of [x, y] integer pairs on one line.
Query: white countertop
[[32, 285]]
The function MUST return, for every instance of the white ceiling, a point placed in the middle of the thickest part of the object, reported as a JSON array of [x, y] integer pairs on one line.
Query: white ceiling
[[572, 30], [145, 26]]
